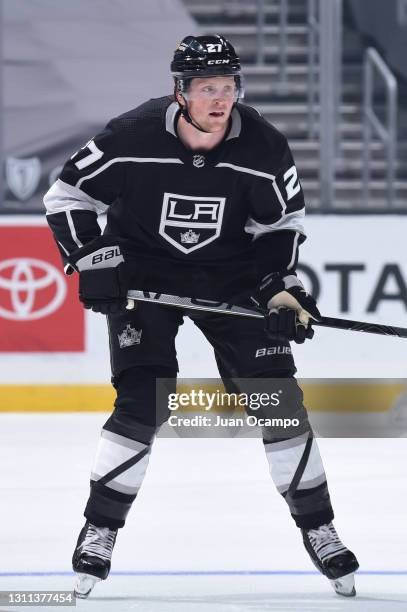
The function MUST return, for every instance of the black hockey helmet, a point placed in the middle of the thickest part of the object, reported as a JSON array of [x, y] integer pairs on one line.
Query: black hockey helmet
[[202, 56]]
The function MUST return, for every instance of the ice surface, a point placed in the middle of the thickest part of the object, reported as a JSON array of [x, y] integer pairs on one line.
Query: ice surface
[[208, 531]]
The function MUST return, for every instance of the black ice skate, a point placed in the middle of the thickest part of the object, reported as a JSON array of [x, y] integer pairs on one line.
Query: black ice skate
[[91, 558], [332, 558]]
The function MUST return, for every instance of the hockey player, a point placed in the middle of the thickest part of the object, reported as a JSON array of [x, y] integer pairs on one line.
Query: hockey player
[[202, 199]]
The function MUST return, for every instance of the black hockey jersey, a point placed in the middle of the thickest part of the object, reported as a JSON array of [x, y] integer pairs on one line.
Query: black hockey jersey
[[187, 211]]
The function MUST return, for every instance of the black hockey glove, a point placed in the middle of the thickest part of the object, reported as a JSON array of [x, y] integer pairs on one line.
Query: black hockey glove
[[103, 280], [291, 308]]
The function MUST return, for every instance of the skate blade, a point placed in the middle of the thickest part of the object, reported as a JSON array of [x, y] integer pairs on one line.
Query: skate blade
[[345, 585], [84, 585]]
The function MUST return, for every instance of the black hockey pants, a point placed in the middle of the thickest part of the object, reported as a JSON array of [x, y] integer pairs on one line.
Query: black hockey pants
[[142, 347]]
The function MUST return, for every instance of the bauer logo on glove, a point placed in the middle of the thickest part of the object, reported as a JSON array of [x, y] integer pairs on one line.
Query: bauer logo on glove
[[90, 257], [103, 281]]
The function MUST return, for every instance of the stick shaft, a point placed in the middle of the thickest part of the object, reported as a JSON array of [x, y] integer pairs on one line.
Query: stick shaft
[[232, 309], [362, 326]]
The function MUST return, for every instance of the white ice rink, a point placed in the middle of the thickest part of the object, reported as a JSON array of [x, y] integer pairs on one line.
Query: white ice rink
[[208, 532]]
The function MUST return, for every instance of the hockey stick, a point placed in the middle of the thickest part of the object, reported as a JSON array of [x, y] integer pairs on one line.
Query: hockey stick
[[231, 309]]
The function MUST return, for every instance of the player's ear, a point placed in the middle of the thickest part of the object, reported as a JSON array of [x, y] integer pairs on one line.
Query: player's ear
[[180, 98]]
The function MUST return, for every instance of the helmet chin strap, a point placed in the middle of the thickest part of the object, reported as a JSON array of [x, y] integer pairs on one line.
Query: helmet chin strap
[[188, 118]]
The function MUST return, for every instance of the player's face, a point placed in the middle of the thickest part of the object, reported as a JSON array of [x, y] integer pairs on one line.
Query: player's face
[[210, 101]]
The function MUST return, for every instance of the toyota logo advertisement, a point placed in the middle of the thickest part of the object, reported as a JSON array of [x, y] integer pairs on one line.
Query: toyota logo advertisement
[[24, 279], [39, 307]]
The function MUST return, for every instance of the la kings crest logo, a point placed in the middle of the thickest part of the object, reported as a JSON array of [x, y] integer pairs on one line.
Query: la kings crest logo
[[129, 336], [189, 222]]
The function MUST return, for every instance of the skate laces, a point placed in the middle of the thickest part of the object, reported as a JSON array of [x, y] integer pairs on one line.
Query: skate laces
[[98, 541], [325, 542]]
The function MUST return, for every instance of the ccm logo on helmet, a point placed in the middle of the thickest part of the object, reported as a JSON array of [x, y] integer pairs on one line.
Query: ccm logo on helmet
[[218, 61]]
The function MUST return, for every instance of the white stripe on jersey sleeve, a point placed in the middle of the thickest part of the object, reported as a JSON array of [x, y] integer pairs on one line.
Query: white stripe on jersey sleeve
[[291, 221], [62, 197], [72, 229], [63, 248], [280, 197], [294, 253]]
